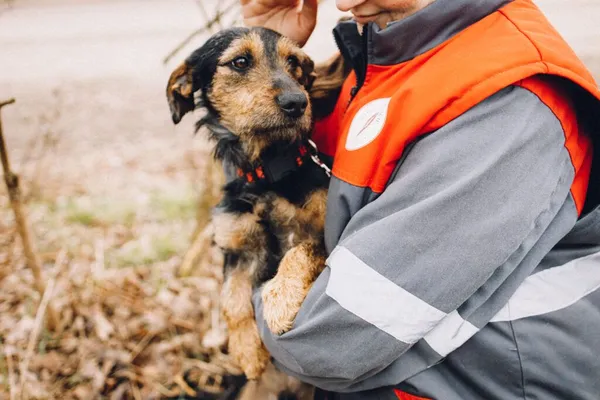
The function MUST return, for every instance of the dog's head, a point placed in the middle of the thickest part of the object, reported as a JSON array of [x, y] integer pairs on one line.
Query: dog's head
[[253, 81]]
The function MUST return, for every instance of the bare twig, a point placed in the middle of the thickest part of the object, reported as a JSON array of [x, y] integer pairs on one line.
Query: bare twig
[[9, 4], [11, 374], [14, 193], [7, 102], [216, 20], [42, 147], [199, 250], [39, 319], [200, 4], [184, 386], [200, 247], [142, 344]]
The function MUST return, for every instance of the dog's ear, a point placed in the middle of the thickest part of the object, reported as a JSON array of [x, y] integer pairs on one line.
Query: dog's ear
[[308, 72], [180, 93]]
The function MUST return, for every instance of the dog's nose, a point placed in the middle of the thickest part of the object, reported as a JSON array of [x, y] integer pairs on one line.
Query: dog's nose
[[292, 104]]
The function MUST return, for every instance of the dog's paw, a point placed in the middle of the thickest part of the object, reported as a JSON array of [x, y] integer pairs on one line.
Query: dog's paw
[[282, 298], [283, 295], [248, 350]]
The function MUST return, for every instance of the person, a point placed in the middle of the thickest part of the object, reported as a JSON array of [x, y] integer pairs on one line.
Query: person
[[463, 219]]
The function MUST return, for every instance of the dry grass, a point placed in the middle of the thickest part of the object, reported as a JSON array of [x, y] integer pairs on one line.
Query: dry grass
[[115, 197], [130, 327], [121, 331]]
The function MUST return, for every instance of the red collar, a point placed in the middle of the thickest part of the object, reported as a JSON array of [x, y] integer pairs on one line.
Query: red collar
[[273, 169]]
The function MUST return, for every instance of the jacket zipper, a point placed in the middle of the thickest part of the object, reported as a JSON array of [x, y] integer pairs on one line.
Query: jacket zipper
[[359, 64], [361, 69]]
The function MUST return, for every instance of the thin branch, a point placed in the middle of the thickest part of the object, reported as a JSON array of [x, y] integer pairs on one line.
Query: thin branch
[[9, 6], [11, 374], [200, 4], [216, 20], [39, 320], [7, 102], [200, 247], [135, 391], [14, 193]]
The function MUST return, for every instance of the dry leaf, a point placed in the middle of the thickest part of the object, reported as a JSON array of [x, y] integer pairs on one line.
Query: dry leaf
[[102, 326]]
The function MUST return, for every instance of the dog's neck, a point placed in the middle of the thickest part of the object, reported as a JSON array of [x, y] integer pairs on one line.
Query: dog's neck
[[274, 162], [228, 147]]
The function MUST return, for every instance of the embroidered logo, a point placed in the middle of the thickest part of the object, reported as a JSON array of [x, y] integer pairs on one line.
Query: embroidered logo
[[367, 124]]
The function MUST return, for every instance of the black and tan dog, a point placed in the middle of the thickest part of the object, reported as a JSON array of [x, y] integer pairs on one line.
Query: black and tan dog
[[261, 93]]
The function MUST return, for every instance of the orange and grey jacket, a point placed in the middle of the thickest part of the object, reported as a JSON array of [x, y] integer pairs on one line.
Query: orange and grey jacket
[[463, 222]]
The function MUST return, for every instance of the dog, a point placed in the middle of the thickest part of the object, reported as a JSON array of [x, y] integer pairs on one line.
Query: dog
[[261, 95]]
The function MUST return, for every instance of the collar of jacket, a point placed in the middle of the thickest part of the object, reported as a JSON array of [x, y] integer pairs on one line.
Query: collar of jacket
[[403, 40]]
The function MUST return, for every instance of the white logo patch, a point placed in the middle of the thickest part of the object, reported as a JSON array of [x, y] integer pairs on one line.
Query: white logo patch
[[367, 124]]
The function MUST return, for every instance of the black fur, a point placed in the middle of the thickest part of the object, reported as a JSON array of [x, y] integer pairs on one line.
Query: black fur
[[232, 386], [228, 148], [240, 196], [287, 396]]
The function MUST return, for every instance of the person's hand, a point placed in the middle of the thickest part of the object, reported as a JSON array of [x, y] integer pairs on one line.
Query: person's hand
[[295, 19]]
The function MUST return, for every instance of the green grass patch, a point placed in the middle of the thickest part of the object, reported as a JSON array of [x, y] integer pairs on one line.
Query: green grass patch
[[148, 250], [174, 206], [83, 217]]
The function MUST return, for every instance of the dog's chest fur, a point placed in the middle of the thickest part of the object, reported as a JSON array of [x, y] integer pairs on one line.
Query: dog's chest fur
[[287, 212]]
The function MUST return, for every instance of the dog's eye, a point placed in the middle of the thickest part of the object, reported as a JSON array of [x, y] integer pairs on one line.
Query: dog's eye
[[293, 62], [241, 63]]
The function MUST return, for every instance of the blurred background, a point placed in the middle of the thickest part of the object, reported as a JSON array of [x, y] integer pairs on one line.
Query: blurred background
[[117, 197]]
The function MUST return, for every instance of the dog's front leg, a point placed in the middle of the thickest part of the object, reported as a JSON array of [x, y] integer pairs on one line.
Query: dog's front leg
[[240, 236], [283, 295], [245, 344]]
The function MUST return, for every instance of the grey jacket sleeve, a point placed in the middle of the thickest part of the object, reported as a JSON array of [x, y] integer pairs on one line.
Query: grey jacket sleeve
[[428, 263]]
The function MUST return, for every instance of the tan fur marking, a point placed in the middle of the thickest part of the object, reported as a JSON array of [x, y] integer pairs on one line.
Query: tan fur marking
[[176, 84], [248, 350], [244, 341], [313, 210], [235, 232], [180, 92], [309, 218], [236, 298], [283, 295], [286, 48], [250, 44]]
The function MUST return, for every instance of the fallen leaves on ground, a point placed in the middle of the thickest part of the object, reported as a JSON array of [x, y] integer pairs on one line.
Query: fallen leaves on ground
[[131, 333]]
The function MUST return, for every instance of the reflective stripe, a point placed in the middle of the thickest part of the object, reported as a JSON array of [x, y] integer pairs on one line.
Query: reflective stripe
[[553, 289], [450, 334], [374, 298]]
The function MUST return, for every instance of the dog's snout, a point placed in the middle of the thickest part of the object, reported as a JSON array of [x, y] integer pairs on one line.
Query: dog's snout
[[292, 104]]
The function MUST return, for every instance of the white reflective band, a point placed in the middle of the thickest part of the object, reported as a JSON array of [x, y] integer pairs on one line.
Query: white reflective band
[[450, 334], [374, 298], [553, 289]]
